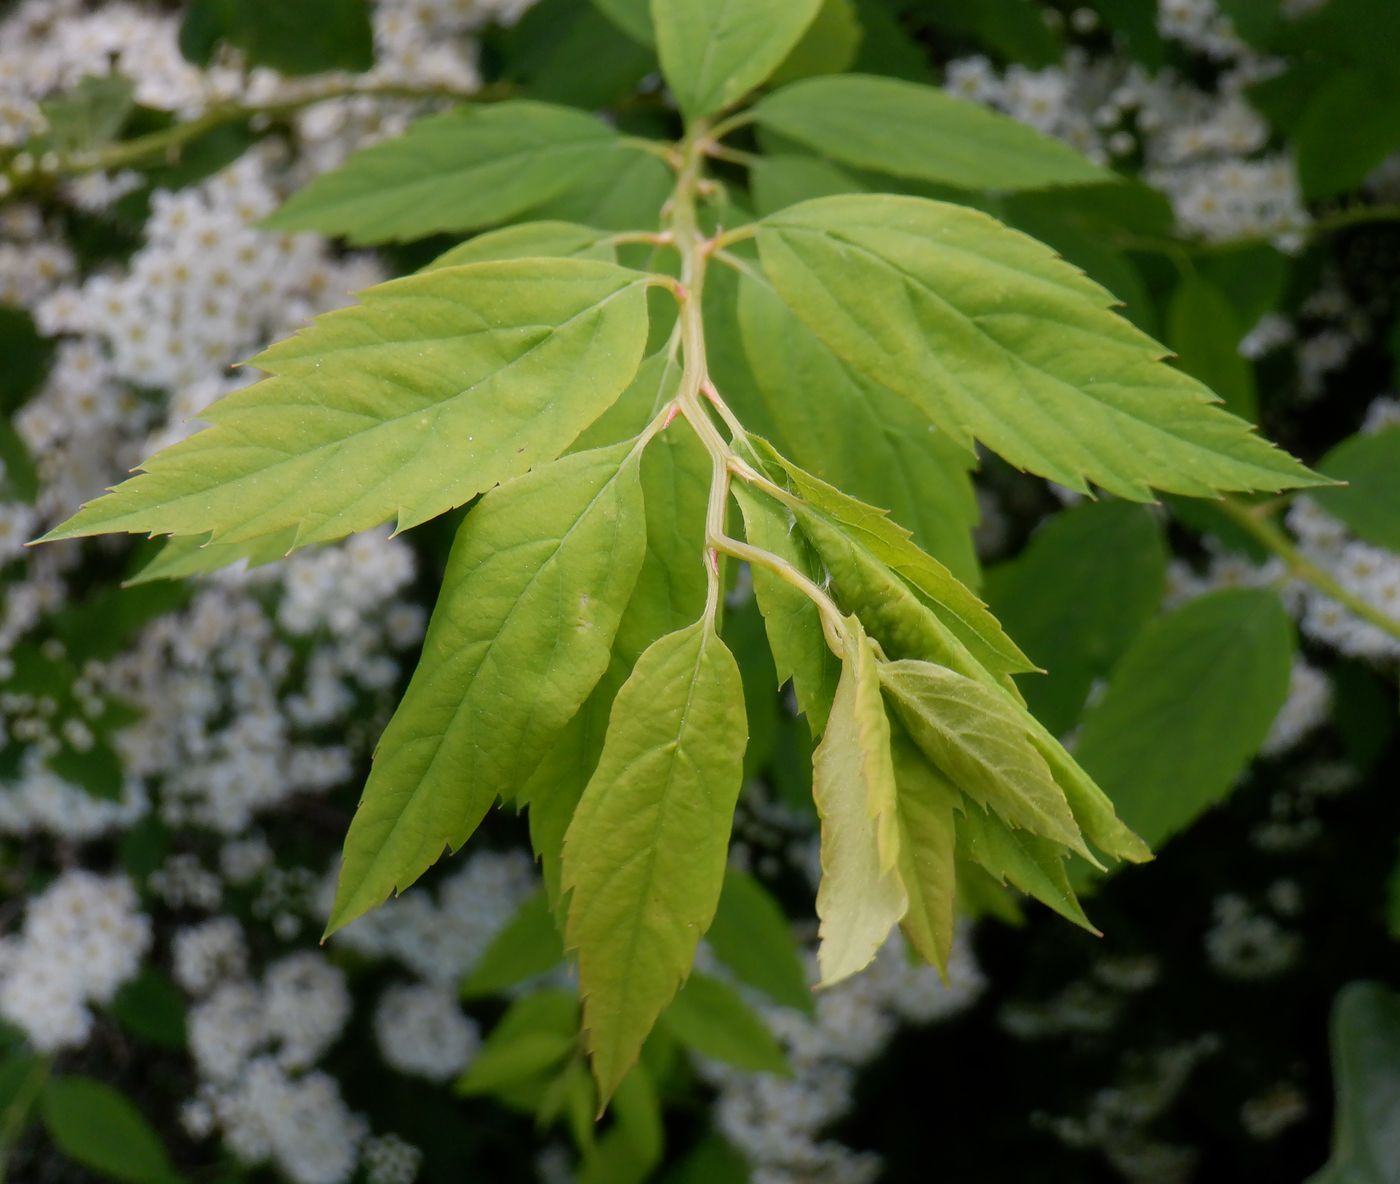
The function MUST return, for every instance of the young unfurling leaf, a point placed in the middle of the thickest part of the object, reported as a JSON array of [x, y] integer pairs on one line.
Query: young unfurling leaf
[[974, 736], [434, 389], [927, 843], [861, 896], [524, 625], [644, 856]]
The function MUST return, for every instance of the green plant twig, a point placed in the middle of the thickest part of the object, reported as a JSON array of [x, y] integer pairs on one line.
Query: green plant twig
[[1265, 531]]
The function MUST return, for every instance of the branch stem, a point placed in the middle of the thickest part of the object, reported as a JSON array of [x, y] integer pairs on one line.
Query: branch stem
[[1255, 521], [168, 141]]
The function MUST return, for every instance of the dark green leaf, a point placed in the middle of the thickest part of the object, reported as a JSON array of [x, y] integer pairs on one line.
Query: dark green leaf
[[1370, 501], [753, 937], [1365, 1034], [1186, 708], [712, 1019], [528, 946], [1088, 581], [94, 1125]]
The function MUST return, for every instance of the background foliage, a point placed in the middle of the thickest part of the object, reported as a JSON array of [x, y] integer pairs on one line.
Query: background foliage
[[183, 755]]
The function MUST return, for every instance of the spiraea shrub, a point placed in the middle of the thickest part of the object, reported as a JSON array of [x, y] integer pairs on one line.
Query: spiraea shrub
[[699, 340]]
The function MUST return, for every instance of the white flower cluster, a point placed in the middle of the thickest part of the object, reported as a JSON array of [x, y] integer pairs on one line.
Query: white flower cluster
[[1198, 146], [422, 1031], [82, 939], [441, 939], [777, 1122], [1245, 944], [254, 1045]]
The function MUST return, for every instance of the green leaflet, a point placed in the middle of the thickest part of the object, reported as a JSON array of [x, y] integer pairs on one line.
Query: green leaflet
[[751, 935], [1365, 1031], [996, 339], [1370, 502], [927, 842], [861, 896], [979, 741], [829, 45], [669, 593], [779, 181], [644, 856], [627, 195], [871, 531], [440, 384], [909, 130], [530, 240], [858, 434], [1186, 708], [791, 621], [713, 52], [194, 555], [523, 629], [460, 170], [94, 1125], [711, 1018], [1034, 865], [1086, 583]]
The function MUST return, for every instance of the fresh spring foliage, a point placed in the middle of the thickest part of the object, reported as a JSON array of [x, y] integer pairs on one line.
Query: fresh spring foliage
[[596, 395]]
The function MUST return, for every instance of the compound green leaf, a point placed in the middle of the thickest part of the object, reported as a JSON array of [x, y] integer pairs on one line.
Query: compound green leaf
[[457, 171], [790, 619], [1086, 583], [1186, 708], [644, 856], [528, 946], [927, 845], [979, 741], [530, 240], [1034, 865], [1369, 503], [858, 434], [94, 1125], [752, 936], [711, 1018], [909, 130], [997, 339], [441, 385], [713, 52], [530, 603], [861, 896], [1365, 1032]]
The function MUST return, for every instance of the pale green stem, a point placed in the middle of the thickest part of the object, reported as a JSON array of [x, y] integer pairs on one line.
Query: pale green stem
[[168, 141], [1267, 533]]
